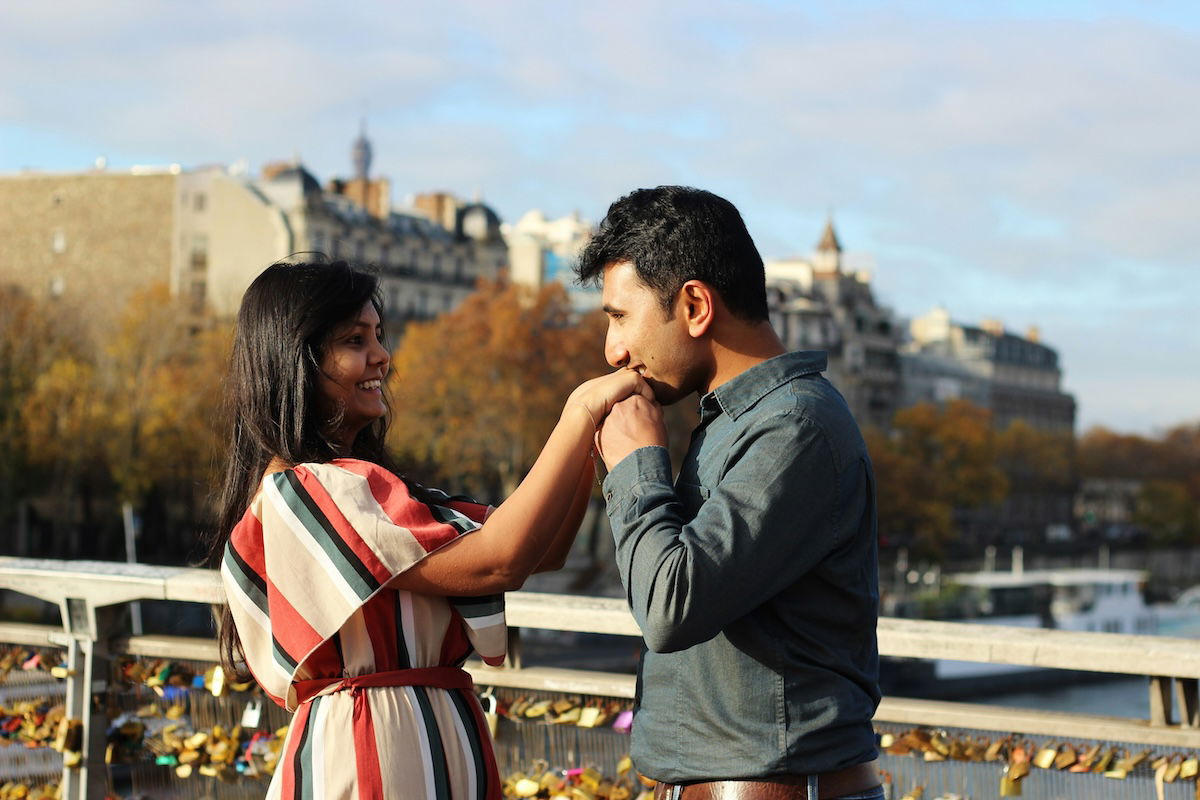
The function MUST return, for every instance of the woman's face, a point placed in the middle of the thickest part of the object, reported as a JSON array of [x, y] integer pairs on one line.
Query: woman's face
[[353, 370]]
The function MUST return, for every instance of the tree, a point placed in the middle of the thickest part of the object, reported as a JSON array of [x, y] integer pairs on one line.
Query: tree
[[1168, 512], [476, 392], [33, 336], [935, 461]]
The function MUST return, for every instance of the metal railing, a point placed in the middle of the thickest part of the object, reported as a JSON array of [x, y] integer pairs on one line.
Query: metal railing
[[88, 594]]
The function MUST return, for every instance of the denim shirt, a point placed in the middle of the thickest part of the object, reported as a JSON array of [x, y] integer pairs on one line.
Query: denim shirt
[[754, 580]]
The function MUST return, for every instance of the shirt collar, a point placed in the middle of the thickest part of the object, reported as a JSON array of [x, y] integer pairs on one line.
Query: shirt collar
[[739, 394]]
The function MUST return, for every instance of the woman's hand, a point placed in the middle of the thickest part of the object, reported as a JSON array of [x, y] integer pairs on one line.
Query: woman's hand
[[599, 395]]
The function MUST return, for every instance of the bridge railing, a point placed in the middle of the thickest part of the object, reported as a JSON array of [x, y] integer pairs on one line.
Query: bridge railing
[[89, 595]]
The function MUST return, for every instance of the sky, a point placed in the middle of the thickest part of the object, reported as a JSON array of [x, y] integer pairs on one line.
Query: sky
[[1032, 162]]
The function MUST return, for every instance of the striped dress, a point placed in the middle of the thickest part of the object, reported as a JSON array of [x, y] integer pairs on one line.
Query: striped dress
[[304, 574]]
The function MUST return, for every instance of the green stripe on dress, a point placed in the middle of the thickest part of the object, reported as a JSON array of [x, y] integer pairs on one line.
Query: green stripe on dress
[[348, 565], [251, 584], [437, 754], [302, 764], [475, 739], [448, 516], [475, 607]]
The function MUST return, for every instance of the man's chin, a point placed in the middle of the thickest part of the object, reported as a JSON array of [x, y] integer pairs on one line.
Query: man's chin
[[665, 394]]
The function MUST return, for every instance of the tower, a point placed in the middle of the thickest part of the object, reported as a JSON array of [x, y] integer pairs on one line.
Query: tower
[[360, 154], [827, 260]]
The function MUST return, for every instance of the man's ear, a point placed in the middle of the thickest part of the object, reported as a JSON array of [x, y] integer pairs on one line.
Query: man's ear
[[697, 304]]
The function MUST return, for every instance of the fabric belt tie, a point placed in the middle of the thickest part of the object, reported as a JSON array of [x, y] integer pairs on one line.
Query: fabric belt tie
[[366, 763], [437, 677]]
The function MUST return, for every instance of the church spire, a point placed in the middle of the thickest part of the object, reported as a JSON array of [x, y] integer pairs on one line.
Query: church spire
[[361, 153], [829, 240], [828, 258]]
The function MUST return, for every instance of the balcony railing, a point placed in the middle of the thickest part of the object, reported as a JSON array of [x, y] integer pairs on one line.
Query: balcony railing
[[88, 593]]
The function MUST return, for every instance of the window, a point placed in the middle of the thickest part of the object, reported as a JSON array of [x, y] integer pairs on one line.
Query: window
[[199, 254], [199, 202], [196, 296], [59, 243]]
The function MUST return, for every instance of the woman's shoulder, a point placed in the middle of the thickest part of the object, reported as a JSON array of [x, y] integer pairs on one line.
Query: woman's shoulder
[[336, 467]]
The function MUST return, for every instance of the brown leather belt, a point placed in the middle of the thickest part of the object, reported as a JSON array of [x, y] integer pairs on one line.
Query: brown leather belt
[[851, 780]]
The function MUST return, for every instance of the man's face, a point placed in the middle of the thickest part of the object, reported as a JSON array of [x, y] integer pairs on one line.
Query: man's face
[[641, 337]]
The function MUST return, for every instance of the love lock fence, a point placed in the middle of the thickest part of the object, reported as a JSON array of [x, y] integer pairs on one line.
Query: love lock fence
[[88, 700]]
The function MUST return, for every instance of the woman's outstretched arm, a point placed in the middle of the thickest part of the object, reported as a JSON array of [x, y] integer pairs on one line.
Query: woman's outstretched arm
[[525, 528], [556, 556]]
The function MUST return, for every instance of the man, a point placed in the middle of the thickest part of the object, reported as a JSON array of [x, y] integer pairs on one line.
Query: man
[[753, 575]]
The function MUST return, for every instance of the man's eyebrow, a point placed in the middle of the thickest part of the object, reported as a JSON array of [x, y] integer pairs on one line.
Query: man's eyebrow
[[607, 309]]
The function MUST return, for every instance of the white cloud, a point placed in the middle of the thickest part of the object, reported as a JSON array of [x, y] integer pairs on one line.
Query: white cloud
[[1014, 166]]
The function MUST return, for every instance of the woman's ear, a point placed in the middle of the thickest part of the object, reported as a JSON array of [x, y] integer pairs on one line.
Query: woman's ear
[[697, 303]]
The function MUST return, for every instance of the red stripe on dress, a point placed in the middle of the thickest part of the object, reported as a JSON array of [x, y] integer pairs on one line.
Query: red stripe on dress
[[379, 618], [455, 644], [325, 660], [341, 525], [366, 756], [393, 497], [288, 757], [247, 540], [476, 512], [289, 627]]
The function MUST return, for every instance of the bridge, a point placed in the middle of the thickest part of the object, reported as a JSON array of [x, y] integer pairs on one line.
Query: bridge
[[918, 735]]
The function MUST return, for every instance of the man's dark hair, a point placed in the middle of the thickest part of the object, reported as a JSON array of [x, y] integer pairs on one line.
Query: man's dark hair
[[674, 234]]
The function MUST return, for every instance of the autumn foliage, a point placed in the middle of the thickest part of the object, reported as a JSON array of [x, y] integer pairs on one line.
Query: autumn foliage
[[934, 461], [1167, 470], [476, 391], [94, 417]]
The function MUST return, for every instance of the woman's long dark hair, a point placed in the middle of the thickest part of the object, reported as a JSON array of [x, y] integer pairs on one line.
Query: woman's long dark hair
[[284, 325]]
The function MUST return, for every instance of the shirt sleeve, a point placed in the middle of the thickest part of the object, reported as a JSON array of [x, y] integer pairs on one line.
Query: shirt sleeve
[[321, 541], [768, 521]]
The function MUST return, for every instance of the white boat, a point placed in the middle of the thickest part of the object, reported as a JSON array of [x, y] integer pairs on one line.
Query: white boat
[[1074, 599]]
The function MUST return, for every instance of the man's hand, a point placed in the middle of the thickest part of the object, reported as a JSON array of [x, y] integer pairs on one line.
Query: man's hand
[[634, 422]]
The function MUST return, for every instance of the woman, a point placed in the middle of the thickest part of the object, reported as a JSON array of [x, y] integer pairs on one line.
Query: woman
[[354, 597]]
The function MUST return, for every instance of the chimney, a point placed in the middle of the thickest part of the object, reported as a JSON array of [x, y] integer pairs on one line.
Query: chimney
[[993, 326]]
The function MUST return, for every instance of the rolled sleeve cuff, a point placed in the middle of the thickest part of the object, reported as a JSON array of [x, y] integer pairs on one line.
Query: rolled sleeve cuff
[[646, 465]]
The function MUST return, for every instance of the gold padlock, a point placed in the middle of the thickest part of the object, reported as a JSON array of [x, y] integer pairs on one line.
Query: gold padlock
[[1045, 757]]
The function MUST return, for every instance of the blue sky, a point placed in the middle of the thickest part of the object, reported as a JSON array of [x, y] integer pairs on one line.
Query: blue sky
[[1032, 162]]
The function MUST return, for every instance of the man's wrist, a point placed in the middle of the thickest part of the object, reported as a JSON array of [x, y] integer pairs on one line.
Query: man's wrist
[[646, 463]]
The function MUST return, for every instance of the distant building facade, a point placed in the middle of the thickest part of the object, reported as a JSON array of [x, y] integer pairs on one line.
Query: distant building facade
[[96, 237], [1015, 378], [1012, 376], [545, 250], [816, 304]]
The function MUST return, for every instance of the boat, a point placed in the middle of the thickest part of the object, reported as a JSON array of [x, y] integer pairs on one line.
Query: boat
[[1072, 599]]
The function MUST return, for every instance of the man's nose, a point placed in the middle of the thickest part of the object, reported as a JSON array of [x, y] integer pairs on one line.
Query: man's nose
[[615, 353]]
